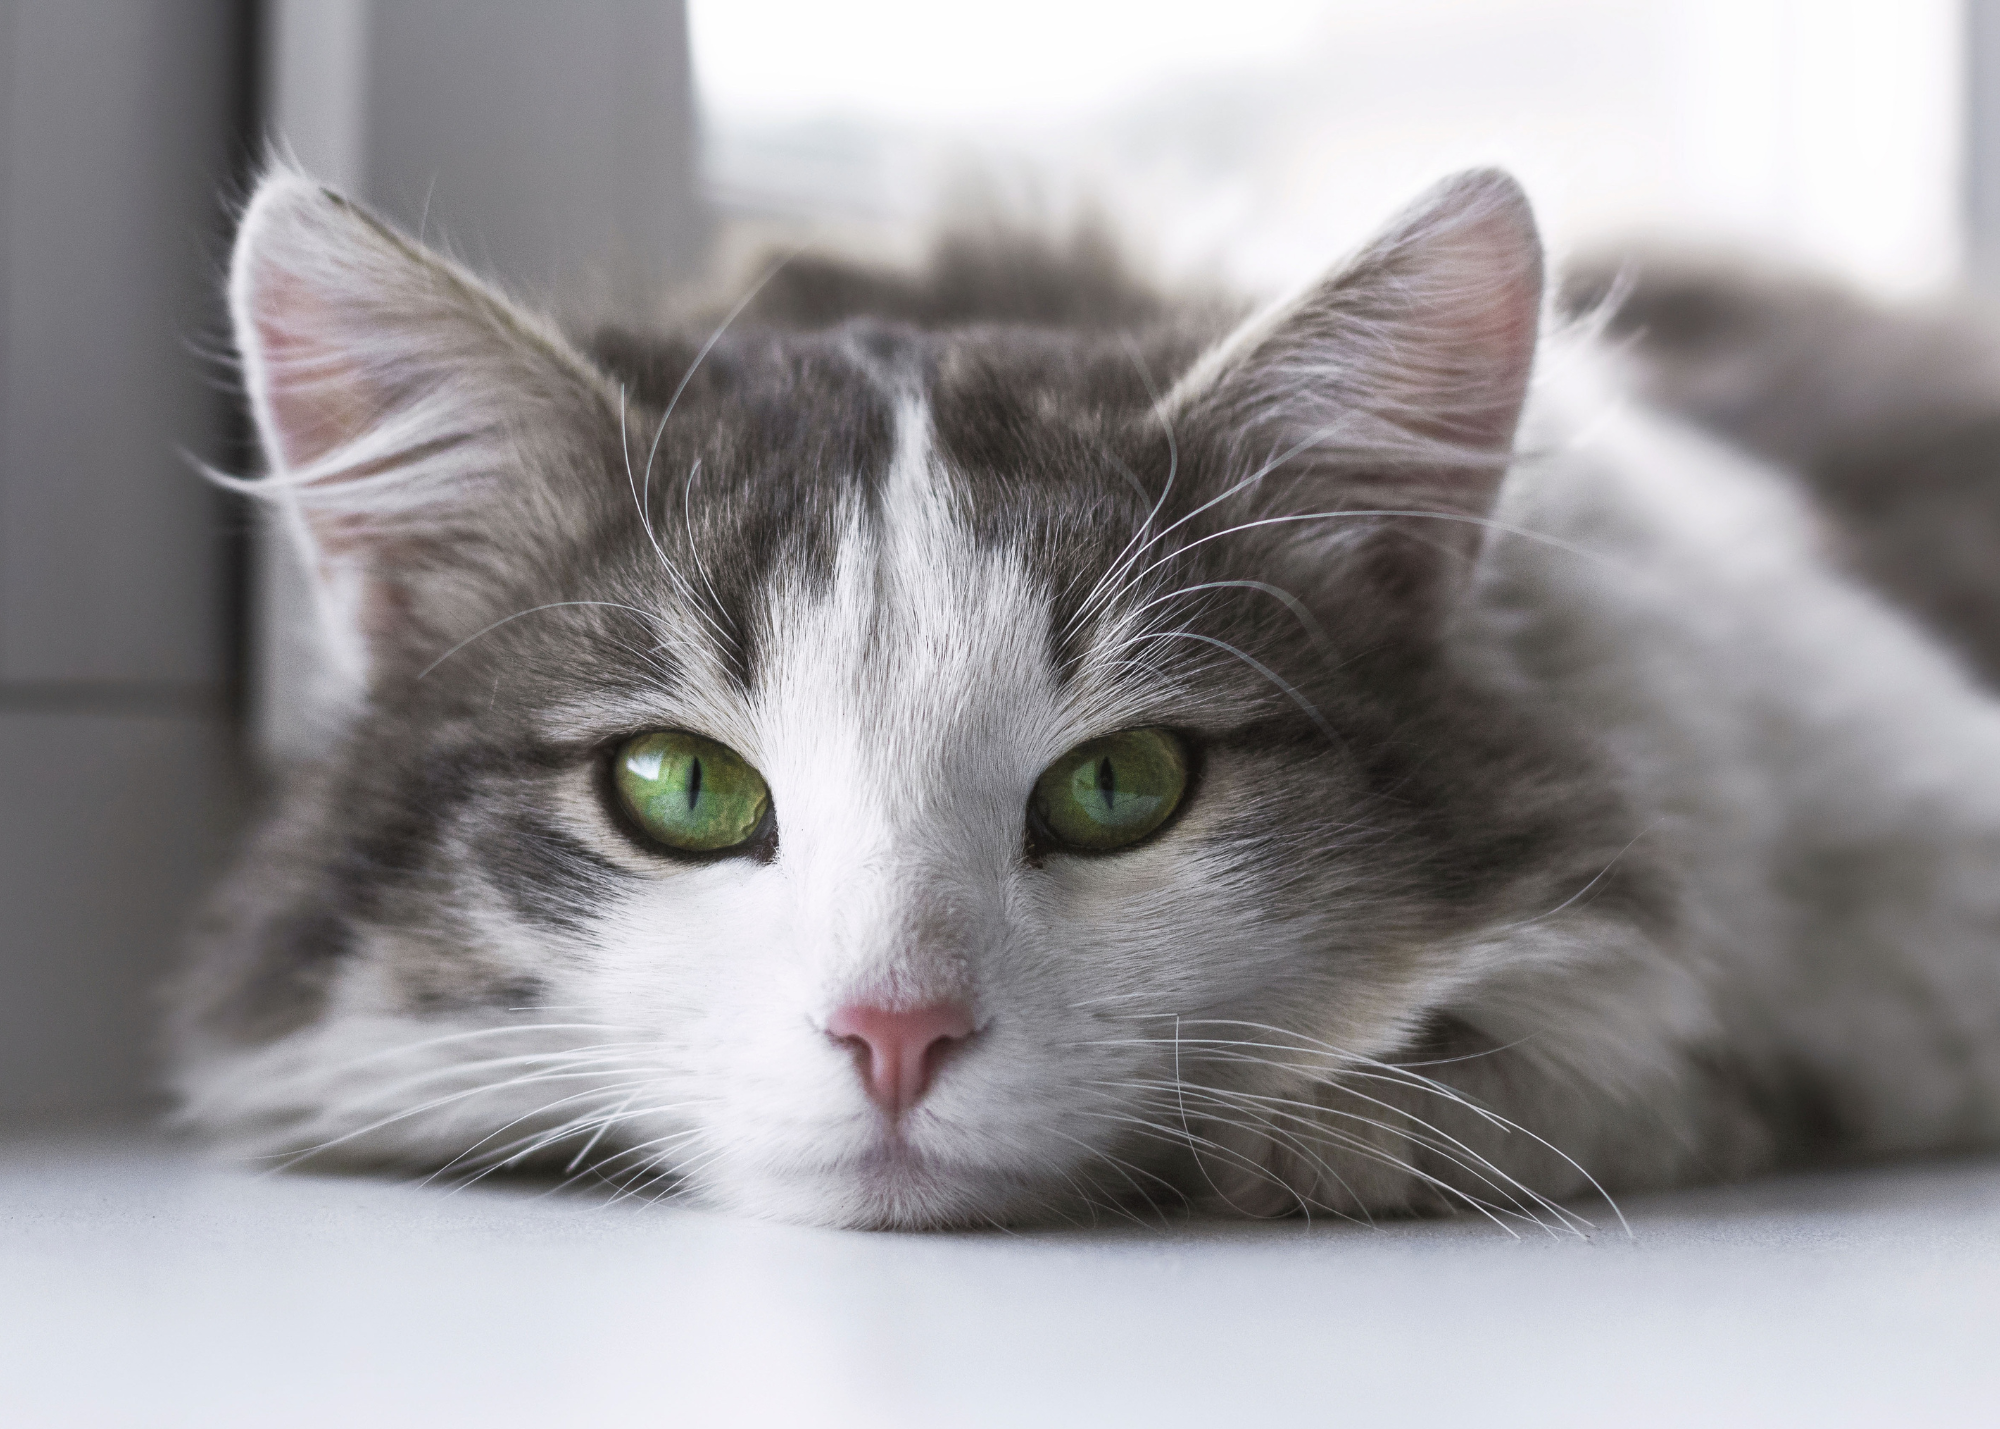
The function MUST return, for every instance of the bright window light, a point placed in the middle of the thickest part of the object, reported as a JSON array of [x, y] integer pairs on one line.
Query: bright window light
[[1253, 141]]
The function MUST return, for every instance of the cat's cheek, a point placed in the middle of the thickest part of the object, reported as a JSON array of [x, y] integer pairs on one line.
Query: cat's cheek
[[671, 950]]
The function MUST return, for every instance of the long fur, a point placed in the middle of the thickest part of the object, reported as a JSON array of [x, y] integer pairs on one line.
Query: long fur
[[1567, 817]]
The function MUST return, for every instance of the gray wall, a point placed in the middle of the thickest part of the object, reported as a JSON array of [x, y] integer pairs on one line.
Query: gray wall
[[1981, 20], [561, 161], [119, 125], [553, 143], [550, 145]]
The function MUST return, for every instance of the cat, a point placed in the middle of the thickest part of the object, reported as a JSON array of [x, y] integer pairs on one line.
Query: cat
[[1362, 757]]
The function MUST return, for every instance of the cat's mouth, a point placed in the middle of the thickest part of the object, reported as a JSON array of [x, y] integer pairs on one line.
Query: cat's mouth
[[897, 1148], [898, 1176], [900, 1188], [891, 1150]]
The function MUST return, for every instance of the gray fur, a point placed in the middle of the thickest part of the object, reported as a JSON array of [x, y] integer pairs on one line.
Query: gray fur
[[1891, 414], [1566, 818]]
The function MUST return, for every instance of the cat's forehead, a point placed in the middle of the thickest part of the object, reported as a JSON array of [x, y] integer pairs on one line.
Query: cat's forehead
[[913, 540], [921, 664], [929, 631], [1034, 431], [905, 470]]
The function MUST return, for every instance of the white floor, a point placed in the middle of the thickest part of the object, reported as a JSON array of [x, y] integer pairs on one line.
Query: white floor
[[139, 1288]]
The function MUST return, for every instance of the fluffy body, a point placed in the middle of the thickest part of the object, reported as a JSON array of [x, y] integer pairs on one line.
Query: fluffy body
[[1568, 815]]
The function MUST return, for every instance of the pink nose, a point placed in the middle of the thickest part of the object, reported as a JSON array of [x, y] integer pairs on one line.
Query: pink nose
[[898, 1052]]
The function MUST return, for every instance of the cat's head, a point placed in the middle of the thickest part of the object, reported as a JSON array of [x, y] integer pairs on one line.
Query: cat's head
[[873, 776]]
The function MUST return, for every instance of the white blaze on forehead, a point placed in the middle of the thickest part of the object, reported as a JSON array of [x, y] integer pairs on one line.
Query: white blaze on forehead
[[902, 718]]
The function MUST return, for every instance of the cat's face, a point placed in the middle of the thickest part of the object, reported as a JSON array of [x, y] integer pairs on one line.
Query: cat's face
[[901, 704], [710, 812]]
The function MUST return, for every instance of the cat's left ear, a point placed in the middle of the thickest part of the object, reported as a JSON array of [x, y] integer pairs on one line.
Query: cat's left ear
[[417, 425], [1394, 385]]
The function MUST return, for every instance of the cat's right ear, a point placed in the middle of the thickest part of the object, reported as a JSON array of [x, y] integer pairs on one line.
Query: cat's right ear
[[1363, 427], [409, 413]]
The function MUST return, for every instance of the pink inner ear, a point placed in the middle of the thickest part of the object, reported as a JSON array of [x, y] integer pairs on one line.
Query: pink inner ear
[[1497, 323], [313, 392]]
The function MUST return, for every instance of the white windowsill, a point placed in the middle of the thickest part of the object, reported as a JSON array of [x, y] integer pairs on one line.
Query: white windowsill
[[139, 1287]]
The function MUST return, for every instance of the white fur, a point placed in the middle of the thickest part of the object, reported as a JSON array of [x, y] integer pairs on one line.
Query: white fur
[[1673, 597]]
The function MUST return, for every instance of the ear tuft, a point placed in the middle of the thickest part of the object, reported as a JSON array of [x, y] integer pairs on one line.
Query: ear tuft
[[397, 397], [305, 402], [1432, 327], [1393, 385], [1468, 262], [344, 323]]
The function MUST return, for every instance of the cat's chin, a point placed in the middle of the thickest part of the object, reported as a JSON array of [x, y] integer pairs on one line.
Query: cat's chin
[[885, 1189]]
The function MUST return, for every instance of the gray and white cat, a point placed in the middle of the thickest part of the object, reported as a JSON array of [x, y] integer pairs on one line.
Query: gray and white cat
[[931, 772]]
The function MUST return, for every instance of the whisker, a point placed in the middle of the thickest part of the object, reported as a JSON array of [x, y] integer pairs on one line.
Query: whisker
[[545, 1137], [1311, 710], [1471, 1161], [1114, 571], [1602, 874], [452, 1099], [1297, 607], [694, 550], [647, 616], [1340, 1070]]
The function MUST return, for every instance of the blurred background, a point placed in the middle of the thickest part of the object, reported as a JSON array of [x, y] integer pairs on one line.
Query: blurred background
[[608, 156]]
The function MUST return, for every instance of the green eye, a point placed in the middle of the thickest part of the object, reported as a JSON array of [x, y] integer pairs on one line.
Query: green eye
[[690, 793], [1112, 791]]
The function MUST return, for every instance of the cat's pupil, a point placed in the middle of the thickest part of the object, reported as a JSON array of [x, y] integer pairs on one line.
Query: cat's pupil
[[1106, 782], [694, 783]]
